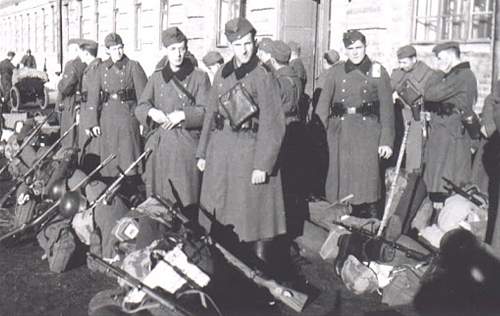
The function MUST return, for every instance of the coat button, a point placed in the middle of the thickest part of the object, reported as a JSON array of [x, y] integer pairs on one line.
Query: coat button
[[343, 80], [342, 118], [343, 90], [364, 118], [364, 91], [342, 100], [366, 81]]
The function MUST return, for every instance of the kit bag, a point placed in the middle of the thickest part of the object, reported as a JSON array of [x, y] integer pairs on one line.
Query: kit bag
[[58, 242]]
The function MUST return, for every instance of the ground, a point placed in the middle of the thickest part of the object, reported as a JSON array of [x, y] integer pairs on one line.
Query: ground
[[27, 287]]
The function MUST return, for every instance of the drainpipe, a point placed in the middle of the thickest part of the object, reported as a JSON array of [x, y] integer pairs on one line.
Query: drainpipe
[[315, 50], [60, 38]]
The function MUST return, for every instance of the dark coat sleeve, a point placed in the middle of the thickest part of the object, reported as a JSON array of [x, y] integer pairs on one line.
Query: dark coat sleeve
[[146, 102], [89, 115], [94, 89], [386, 109], [139, 77], [326, 97], [195, 114], [68, 83], [271, 124]]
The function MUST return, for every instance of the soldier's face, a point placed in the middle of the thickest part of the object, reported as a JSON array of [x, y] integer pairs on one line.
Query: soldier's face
[[407, 64], [356, 52], [115, 52], [175, 54], [444, 60], [243, 48]]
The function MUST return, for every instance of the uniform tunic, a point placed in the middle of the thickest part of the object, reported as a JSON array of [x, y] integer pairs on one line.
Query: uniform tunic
[[119, 128], [89, 111], [448, 148], [6, 70], [174, 150], [353, 140], [68, 87], [256, 211], [415, 144]]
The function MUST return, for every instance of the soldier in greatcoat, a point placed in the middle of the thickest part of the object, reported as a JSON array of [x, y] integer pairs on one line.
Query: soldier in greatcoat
[[68, 98], [291, 159], [450, 95], [239, 154], [6, 71], [355, 107], [88, 129], [174, 101], [118, 86]]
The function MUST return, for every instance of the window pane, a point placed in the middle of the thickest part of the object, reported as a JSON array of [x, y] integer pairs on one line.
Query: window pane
[[426, 29], [482, 26]]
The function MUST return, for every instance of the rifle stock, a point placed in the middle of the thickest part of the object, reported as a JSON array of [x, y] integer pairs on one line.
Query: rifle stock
[[137, 284], [455, 188], [290, 297]]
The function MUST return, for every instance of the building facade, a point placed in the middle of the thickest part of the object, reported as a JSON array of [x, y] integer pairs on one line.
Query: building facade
[[317, 25]]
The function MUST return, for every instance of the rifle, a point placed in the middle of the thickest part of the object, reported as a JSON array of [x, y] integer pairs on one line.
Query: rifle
[[51, 212], [417, 255], [110, 191], [137, 284], [392, 192], [34, 131], [290, 297], [35, 165], [469, 196]]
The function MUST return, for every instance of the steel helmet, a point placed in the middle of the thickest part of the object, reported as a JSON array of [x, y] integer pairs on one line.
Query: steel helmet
[[57, 189], [71, 203]]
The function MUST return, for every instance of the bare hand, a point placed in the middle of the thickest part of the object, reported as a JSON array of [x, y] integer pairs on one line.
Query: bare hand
[[200, 164], [173, 119], [158, 116], [93, 131], [258, 177], [384, 152]]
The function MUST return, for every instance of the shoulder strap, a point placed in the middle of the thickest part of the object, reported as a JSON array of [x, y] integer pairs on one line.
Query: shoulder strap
[[183, 90]]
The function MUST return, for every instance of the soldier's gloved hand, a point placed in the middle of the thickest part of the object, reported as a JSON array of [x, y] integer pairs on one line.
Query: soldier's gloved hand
[[200, 164], [174, 119], [385, 152], [96, 131], [258, 176], [158, 116]]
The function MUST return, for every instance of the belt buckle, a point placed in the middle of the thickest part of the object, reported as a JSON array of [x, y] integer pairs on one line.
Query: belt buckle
[[351, 110]]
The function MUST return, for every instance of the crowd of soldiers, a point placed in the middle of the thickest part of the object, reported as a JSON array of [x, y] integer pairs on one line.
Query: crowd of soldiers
[[232, 140]]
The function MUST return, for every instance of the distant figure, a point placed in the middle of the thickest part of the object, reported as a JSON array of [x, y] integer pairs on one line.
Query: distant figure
[[264, 53], [297, 64], [213, 61], [28, 60], [6, 70]]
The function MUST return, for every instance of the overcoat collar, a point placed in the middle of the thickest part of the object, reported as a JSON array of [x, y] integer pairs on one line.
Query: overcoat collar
[[364, 66], [119, 64], [241, 71], [186, 69]]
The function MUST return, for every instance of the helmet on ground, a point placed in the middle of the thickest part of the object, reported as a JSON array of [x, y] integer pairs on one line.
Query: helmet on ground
[[71, 203]]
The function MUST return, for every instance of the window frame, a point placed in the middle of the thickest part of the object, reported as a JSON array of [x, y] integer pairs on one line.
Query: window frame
[[237, 8], [467, 15]]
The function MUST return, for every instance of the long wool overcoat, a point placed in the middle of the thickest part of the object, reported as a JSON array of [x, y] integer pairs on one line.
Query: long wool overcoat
[[175, 149], [256, 211], [353, 140], [67, 87], [119, 126], [448, 152]]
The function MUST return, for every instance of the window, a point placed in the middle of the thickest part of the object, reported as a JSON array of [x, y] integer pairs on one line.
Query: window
[[441, 20], [138, 26], [227, 10], [44, 32], [163, 18]]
